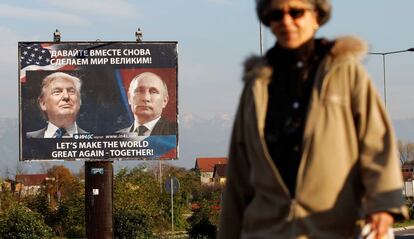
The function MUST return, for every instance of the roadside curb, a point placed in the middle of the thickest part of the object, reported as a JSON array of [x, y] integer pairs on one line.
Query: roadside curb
[[402, 228]]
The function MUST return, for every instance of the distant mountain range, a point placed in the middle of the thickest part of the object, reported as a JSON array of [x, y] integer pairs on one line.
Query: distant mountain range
[[198, 137], [9, 145]]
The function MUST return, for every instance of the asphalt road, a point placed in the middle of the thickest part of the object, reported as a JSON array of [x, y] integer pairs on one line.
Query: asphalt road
[[405, 234]]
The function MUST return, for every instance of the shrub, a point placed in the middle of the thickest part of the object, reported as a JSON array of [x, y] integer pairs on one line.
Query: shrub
[[131, 225], [20, 222]]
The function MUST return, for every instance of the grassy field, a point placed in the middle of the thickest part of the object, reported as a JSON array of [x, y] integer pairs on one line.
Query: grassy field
[[404, 224]]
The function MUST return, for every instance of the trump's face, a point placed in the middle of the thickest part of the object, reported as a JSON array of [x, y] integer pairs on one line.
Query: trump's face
[[148, 97], [61, 102]]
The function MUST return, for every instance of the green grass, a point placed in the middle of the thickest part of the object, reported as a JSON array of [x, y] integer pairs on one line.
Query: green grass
[[404, 223]]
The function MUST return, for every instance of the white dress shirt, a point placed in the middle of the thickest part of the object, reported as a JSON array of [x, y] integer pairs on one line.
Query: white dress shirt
[[150, 126], [51, 130]]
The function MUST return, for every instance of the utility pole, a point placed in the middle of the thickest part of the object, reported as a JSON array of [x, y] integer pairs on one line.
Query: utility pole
[[261, 38], [384, 54]]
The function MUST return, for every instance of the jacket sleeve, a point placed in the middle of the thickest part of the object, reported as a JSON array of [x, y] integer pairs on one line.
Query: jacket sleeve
[[238, 189], [379, 164]]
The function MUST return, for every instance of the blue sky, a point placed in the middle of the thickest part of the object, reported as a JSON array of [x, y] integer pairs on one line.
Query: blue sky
[[214, 37]]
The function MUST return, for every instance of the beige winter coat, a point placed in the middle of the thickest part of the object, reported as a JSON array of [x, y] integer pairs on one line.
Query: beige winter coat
[[349, 166]]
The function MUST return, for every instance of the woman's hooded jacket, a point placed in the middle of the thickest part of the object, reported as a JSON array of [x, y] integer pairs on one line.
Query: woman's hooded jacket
[[349, 166]]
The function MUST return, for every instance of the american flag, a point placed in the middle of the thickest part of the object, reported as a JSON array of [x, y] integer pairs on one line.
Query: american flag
[[35, 57]]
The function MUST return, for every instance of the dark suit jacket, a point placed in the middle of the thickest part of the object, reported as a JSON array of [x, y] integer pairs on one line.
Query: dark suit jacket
[[41, 133], [162, 127]]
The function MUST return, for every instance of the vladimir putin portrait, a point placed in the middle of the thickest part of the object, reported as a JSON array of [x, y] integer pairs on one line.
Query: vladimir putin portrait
[[148, 97], [59, 101]]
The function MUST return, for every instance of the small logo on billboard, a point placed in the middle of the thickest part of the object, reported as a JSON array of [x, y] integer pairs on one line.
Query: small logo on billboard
[[97, 171], [83, 136]]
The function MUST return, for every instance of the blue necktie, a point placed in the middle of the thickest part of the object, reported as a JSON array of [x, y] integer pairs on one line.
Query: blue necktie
[[60, 132]]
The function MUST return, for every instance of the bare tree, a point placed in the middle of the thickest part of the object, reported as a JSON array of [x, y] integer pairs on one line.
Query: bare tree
[[406, 151], [6, 172], [44, 167], [21, 168]]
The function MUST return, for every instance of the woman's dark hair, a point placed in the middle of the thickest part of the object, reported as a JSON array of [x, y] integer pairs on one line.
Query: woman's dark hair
[[322, 7]]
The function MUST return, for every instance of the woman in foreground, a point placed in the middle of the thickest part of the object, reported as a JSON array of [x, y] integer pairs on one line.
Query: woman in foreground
[[313, 153]]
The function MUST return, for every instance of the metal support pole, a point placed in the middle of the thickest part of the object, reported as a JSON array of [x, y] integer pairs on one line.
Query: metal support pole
[[261, 38], [160, 174], [385, 84], [172, 204], [98, 199], [384, 54]]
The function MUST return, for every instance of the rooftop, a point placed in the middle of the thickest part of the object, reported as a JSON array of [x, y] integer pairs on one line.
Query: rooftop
[[31, 179], [207, 164]]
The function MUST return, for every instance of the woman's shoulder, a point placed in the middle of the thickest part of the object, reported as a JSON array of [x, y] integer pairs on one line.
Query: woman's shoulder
[[256, 67], [349, 47]]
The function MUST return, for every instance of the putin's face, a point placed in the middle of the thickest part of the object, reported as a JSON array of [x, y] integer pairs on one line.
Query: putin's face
[[148, 97], [60, 101]]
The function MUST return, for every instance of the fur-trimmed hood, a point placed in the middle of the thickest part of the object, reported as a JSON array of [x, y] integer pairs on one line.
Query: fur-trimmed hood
[[349, 47], [343, 48]]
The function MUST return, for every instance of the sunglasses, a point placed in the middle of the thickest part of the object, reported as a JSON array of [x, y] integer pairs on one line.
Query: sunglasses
[[278, 14]]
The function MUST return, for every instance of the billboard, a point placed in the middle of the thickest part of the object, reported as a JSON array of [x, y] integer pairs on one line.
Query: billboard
[[98, 100]]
